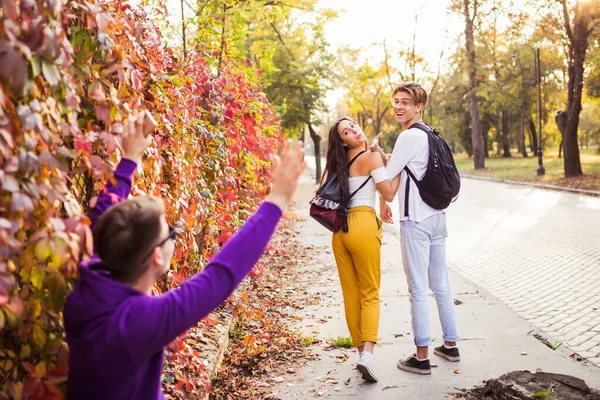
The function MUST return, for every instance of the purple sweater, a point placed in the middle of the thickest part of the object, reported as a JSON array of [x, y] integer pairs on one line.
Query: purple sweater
[[117, 334]]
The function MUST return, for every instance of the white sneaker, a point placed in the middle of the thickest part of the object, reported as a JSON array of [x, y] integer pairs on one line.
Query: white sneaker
[[366, 366]]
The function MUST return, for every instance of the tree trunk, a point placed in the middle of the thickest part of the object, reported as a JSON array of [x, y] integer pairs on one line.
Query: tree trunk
[[505, 135], [522, 148], [317, 146], [533, 138], [561, 123], [560, 148], [476, 129], [485, 126], [582, 27]]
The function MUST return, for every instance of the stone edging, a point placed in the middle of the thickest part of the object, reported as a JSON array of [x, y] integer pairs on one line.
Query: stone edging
[[537, 185], [220, 354]]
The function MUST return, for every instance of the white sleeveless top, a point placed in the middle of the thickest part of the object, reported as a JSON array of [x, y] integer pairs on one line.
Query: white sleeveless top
[[366, 195]]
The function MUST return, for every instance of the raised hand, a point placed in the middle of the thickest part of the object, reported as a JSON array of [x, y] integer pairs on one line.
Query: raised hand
[[287, 168], [375, 144], [134, 140]]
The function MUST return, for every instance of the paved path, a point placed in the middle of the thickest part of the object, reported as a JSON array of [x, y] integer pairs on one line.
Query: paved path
[[494, 340], [538, 251]]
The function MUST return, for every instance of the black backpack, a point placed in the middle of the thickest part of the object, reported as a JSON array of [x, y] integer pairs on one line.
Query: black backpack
[[441, 183]]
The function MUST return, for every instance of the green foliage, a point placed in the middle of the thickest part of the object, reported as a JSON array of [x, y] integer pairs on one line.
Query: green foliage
[[342, 342], [307, 340]]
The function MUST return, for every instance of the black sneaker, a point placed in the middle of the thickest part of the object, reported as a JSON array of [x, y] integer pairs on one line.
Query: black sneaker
[[449, 354], [411, 364]]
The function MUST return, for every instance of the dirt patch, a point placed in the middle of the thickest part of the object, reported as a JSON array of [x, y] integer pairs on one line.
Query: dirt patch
[[524, 385], [264, 346]]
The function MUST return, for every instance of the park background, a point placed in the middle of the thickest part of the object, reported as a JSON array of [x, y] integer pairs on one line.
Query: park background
[[228, 81]]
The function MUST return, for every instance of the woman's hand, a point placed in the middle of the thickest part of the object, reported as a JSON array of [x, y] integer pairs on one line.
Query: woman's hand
[[374, 147], [375, 144]]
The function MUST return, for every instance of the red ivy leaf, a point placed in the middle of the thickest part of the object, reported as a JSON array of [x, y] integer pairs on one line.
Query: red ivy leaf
[[14, 69]]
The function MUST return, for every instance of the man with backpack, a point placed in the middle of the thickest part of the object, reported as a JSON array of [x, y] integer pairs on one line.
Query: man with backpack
[[428, 182]]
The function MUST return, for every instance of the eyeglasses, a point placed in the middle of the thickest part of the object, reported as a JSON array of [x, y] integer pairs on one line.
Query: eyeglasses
[[397, 103], [173, 232]]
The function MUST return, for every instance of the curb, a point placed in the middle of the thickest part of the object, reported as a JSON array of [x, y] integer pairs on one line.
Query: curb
[[224, 342], [584, 192]]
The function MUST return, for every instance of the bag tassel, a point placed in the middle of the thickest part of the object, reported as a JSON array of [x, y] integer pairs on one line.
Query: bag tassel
[[343, 212]]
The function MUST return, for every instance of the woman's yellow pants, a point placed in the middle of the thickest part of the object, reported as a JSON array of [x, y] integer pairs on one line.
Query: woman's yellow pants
[[357, 255]]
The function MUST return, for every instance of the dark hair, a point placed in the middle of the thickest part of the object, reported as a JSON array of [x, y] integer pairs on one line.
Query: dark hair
[[126, 233], [337, 158]]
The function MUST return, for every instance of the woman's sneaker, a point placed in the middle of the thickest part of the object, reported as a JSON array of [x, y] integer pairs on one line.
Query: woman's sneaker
[[366, 366], [411, 364], [450, 354]]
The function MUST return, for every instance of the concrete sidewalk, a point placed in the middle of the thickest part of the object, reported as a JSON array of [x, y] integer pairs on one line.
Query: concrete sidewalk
[[494, 339]]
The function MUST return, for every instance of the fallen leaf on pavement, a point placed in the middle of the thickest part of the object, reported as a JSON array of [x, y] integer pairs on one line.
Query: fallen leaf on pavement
[[347, 381], [457, 371], [457, 302]]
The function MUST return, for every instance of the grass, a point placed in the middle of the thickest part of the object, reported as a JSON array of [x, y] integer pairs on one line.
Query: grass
[[518, 168], [343, 342], [307, 341]]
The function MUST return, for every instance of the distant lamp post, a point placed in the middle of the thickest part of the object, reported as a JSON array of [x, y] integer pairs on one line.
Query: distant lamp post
[[538, 80]]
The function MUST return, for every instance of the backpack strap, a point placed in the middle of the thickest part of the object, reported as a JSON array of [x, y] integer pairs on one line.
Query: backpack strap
[[365, 182], [424, 127], [354, 159], [360, 187], [408, 178]]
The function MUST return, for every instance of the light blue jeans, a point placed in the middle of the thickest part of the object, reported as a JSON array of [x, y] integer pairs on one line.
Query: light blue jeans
[[424, 259]]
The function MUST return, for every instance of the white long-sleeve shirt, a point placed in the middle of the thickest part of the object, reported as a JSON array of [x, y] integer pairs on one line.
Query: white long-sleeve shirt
[[412, 150]]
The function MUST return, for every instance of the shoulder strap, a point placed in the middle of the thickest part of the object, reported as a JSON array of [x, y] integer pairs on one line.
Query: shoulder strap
[[422, 126], [354, 159], [360, 187], [408, 178]]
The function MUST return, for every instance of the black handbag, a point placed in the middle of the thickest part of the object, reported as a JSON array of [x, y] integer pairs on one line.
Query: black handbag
[[327, 207]]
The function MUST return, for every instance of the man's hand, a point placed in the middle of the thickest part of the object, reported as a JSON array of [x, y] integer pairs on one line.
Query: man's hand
[[287, 168], [133, 139], [385, 212]]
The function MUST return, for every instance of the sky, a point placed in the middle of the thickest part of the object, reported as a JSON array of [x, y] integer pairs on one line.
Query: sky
[[364, 22]]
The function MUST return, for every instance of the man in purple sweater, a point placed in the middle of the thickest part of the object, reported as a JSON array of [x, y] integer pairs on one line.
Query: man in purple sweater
[[116, 330]]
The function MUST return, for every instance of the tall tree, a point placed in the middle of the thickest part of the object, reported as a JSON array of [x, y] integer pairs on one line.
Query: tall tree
[[469, 10], [579, 22], [301, 75]]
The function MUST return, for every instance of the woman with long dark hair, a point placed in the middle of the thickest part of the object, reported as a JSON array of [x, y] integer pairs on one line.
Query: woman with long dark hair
[[357, 251]]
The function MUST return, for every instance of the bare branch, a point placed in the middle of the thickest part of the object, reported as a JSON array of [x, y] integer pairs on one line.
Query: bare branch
[[567, 21]]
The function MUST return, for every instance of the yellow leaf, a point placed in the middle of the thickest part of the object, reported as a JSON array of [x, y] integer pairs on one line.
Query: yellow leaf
[[36, 278], [37, 309], [25, 352], [40, 369], [42, 249], [39, 335]]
